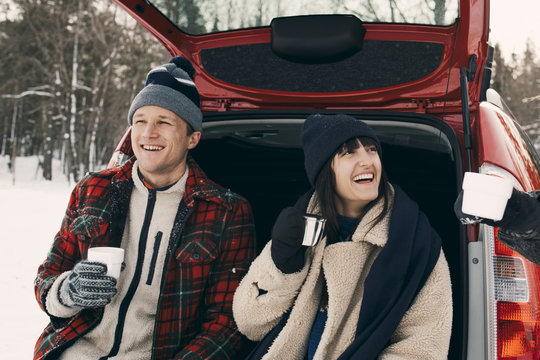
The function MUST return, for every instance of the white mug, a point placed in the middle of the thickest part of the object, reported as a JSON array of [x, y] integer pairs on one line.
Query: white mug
[[485, 195], [110, 256]]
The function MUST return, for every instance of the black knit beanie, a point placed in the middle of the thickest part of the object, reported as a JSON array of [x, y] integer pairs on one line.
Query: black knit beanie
[[323, 134], [171, 86]]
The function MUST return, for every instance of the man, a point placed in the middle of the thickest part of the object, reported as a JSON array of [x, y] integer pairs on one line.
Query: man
[[187, 243], [519, 228]]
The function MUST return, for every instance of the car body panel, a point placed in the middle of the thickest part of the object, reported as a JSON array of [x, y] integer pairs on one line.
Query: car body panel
[[500, 143], [438, 90]]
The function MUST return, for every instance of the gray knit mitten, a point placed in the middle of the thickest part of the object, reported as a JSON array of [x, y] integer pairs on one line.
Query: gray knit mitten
[[87, 286]]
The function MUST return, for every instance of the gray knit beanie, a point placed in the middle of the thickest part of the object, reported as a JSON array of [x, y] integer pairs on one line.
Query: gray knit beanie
[[171, 86], [322, 135]]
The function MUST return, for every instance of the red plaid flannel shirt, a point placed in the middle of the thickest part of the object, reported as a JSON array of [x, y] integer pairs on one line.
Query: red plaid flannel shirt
[[212, 245]]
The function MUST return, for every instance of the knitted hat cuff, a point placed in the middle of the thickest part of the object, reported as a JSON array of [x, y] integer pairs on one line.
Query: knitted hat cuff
[[171, 87], [322, 135], [165, 97]]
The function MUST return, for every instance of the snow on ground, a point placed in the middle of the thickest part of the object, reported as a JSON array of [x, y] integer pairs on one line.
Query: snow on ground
[[31, 211]]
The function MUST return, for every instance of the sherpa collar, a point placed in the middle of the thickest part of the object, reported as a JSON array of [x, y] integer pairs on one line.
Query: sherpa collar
[[198, 185]]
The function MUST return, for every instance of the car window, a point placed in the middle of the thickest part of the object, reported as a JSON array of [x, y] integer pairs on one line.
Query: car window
[[530, 148], [206, 16]]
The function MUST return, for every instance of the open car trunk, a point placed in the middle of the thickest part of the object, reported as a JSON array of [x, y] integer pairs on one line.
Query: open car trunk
[[258, 155]]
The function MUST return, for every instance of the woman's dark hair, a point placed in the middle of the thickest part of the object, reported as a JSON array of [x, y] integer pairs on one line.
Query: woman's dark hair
[[325, 189]]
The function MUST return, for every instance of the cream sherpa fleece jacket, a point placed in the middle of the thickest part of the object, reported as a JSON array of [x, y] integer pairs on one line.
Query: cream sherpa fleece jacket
[[423, 333]]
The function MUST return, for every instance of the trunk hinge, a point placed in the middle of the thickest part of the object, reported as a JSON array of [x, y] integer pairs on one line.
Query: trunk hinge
[[465, 76], [421, 105], [224, 104]]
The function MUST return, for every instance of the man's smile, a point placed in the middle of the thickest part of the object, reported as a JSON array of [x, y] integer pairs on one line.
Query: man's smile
[[152, 147]]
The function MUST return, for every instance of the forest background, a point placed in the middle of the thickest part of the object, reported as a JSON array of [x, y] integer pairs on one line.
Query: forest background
[[71, 68]]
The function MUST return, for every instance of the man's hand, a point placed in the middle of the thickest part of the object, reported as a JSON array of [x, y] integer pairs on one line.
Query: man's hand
[[87, 286], [287, 235]]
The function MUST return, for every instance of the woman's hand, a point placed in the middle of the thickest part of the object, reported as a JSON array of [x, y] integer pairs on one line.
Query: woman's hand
[[287, 235]]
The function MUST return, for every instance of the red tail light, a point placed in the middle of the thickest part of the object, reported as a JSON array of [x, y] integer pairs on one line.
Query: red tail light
[[518, 323]]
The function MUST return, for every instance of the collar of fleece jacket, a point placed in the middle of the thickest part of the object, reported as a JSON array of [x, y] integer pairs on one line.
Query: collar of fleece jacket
[[198, 185]]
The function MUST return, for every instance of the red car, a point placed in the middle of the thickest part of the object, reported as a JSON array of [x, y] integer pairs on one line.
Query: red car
[[421, 81]]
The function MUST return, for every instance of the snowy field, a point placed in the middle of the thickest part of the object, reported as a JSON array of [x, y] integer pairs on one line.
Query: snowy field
[[31, 211]]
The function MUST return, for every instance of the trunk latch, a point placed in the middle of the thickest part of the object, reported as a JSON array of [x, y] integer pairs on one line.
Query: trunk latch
[[421, 105], [223, 104]]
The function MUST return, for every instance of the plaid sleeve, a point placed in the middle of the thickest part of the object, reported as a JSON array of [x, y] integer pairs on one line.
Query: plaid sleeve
[[65, 250], [219, 336], [61, 256]]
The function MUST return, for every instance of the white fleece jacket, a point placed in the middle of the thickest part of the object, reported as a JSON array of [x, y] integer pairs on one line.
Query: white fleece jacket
[[423, 333]]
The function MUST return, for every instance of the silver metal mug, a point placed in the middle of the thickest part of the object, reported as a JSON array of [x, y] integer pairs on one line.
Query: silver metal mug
[[314, 228]]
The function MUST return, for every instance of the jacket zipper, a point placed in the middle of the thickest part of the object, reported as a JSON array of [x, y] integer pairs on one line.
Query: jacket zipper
[[157, 242], [136, 276], [183, 213]]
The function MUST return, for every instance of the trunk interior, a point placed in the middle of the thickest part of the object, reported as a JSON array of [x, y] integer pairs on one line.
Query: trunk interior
[[259, 156]]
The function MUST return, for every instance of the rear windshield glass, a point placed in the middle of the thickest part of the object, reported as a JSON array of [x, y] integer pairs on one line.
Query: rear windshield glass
[[206, 16]]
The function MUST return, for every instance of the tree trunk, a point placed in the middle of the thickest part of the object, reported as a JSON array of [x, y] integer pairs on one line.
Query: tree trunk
[[13, 158], [93, 125], [73, 110], [439, 11], [47, 146], [92, 152], [5, 136]]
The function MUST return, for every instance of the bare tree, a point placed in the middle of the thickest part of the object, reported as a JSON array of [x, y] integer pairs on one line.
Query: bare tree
[[71, 70]]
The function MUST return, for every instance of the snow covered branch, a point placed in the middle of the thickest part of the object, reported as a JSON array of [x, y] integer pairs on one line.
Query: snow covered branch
[[27, 93]]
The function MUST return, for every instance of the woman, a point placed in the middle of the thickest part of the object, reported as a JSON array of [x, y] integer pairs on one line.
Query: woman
[[376, 285]]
